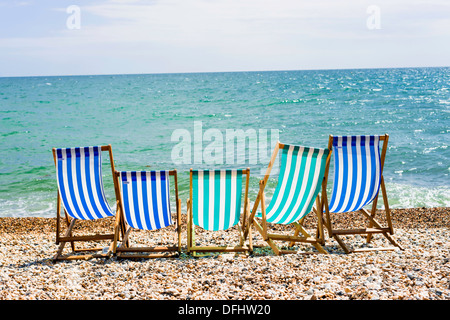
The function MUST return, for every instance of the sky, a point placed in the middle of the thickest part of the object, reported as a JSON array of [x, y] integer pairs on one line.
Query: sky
[[59, 37]]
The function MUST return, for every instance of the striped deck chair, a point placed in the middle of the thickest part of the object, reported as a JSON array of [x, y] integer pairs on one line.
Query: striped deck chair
[[301, 175], [81, 193], [145, 205], [358, 177], [215, 205]]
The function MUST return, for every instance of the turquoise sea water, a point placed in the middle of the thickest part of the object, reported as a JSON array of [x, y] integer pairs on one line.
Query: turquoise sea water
[[137, 115]]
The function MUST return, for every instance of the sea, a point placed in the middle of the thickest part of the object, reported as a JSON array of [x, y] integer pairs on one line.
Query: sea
[[182, 121]]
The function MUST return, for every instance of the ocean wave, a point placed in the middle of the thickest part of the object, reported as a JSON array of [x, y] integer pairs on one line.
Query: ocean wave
[[400, 196], [407, 196]]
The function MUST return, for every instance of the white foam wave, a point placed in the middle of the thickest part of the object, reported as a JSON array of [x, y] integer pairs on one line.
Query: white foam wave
[[399, 196], [406, 196]]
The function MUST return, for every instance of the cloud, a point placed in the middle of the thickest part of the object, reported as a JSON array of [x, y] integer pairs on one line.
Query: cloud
[[227, 35]]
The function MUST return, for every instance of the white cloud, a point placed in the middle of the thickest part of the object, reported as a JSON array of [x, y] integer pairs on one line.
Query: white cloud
[[221, 35]]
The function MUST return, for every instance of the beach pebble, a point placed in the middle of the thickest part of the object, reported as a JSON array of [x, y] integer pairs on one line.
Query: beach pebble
[[419, 272]]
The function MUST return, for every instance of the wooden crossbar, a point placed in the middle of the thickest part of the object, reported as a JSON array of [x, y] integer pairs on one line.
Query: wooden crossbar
[[80, 257], [220, 248], [148, 256], [147, 249], [292, 238], [361, 231], [374, 249], [87, 238], [284, 251]]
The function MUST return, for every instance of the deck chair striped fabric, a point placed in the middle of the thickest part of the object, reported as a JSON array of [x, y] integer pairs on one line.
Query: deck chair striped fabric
[[145, 205], [81, 192], [301, 173], [357, 172], [216, 201], [215, 204], [80, 183], [358, 167], [145, 199], [299, 182]]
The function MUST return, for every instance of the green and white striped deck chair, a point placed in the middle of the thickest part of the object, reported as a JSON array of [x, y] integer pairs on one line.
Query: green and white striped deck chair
[[215, 205], [301, 176]]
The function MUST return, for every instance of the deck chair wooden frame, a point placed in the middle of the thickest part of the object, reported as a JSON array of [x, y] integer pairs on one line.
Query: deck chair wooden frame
[[196, 250], [374, 226], [317, 241], [125, 249], [71, 221]]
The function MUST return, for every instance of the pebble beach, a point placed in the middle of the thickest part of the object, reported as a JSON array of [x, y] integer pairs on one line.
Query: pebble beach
[[419, 272]]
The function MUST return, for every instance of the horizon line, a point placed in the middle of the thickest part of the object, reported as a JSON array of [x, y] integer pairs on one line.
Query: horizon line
[[202, 72]]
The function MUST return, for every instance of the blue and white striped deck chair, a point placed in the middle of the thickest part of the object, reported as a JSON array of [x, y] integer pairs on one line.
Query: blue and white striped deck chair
[[301, 175], [215, 205], [358, 177], [81, 193], [145, 205]]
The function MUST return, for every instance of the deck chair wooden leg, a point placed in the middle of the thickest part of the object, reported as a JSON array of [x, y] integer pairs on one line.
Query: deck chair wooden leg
[[373, 223], [63, 243], [60, 249], [68, 222], [191, 233], [179, 225], [241, 234], [376, 224], [117, 227], [274, 247], [341, 243], [242, 239], [320, 221], [329, 225], [348, 250], [297, 231], [386, 209], [338, 239], [252, 214], [125, 237], [277, 250], [319, 213], [125, 243], [319, 248], [248, 227], [372, 214], [250, 241], [326, 221], [188, 227], [58, 217], [263, 209], [58, 222]]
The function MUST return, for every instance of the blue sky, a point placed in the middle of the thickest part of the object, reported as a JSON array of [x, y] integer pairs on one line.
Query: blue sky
[[166, 36]]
